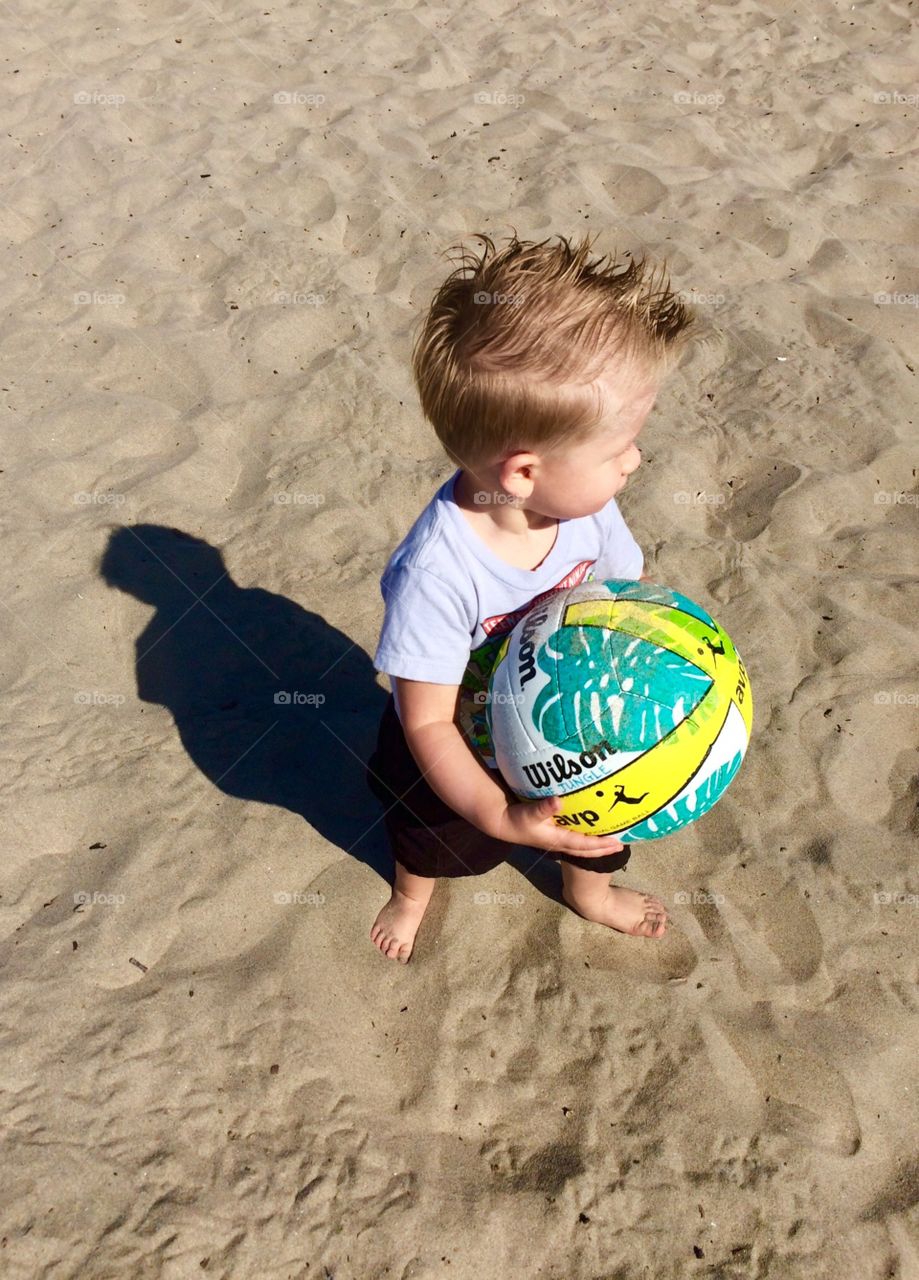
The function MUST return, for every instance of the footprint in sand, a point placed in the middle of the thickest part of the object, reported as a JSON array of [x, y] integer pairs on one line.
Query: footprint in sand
[[632, 189], [750, 509], [767, 923], [797, 1093]]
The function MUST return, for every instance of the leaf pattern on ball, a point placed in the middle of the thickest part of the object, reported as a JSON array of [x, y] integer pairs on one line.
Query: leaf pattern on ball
[[606, 684]]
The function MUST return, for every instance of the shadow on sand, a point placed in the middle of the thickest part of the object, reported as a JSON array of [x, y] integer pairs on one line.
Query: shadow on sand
[[271, 703]]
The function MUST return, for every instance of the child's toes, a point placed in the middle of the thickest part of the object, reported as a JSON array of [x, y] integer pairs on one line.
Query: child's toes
[[647, 929], [391, 946]]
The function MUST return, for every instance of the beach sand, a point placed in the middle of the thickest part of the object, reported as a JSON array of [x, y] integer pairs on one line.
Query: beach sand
[[221, 226]]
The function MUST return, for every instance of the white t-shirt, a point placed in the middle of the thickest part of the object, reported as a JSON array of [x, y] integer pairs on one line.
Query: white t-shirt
[[449, 599]]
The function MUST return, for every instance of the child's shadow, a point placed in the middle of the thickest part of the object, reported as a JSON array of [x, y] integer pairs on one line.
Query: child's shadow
[[271, 703]]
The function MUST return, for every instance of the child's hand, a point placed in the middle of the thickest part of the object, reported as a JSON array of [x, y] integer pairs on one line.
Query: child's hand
[[529, 822]]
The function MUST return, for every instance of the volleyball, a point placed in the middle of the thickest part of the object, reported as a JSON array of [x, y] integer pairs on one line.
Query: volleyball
[[625, 699]]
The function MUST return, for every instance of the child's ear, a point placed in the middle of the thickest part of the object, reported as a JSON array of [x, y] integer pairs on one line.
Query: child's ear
[[517, 474]]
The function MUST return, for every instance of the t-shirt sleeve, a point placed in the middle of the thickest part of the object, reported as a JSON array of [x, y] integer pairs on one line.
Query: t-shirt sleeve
[[621, 556], [426, 633]]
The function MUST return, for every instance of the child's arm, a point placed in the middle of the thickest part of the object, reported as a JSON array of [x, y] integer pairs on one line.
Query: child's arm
[[462, 781]]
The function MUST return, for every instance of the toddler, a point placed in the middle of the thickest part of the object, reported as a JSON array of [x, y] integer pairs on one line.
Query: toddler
[[537, 368]]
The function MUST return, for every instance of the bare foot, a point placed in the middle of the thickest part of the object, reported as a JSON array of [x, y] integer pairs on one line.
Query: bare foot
[[395, 927], [626, 910]]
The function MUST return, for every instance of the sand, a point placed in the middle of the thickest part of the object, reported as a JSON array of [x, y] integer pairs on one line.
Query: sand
[[221, 223]]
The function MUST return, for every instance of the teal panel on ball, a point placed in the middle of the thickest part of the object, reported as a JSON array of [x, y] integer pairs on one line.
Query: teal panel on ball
[[607, 684], [686, 809]]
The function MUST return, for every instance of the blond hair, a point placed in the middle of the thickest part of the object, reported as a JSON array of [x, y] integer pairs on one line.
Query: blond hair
[[509, 350]]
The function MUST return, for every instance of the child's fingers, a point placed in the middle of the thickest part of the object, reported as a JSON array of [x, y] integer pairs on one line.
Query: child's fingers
[[547, 806], [588, 846], [537, 815], [586, 853]]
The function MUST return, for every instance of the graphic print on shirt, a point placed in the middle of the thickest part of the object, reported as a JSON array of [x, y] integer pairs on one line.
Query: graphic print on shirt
[[474, 684]]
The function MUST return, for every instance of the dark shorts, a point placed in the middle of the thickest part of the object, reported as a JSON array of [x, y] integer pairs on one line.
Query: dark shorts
[[427, 836]]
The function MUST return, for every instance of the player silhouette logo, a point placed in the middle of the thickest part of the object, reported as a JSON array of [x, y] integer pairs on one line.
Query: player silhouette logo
[[712, 649], [621, 797]]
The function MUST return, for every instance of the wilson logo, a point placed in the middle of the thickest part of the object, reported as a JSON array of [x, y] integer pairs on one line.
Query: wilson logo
[[526, 662], [559, 769]]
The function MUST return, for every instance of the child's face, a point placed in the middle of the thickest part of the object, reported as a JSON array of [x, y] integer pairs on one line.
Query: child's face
[[581, 480]]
